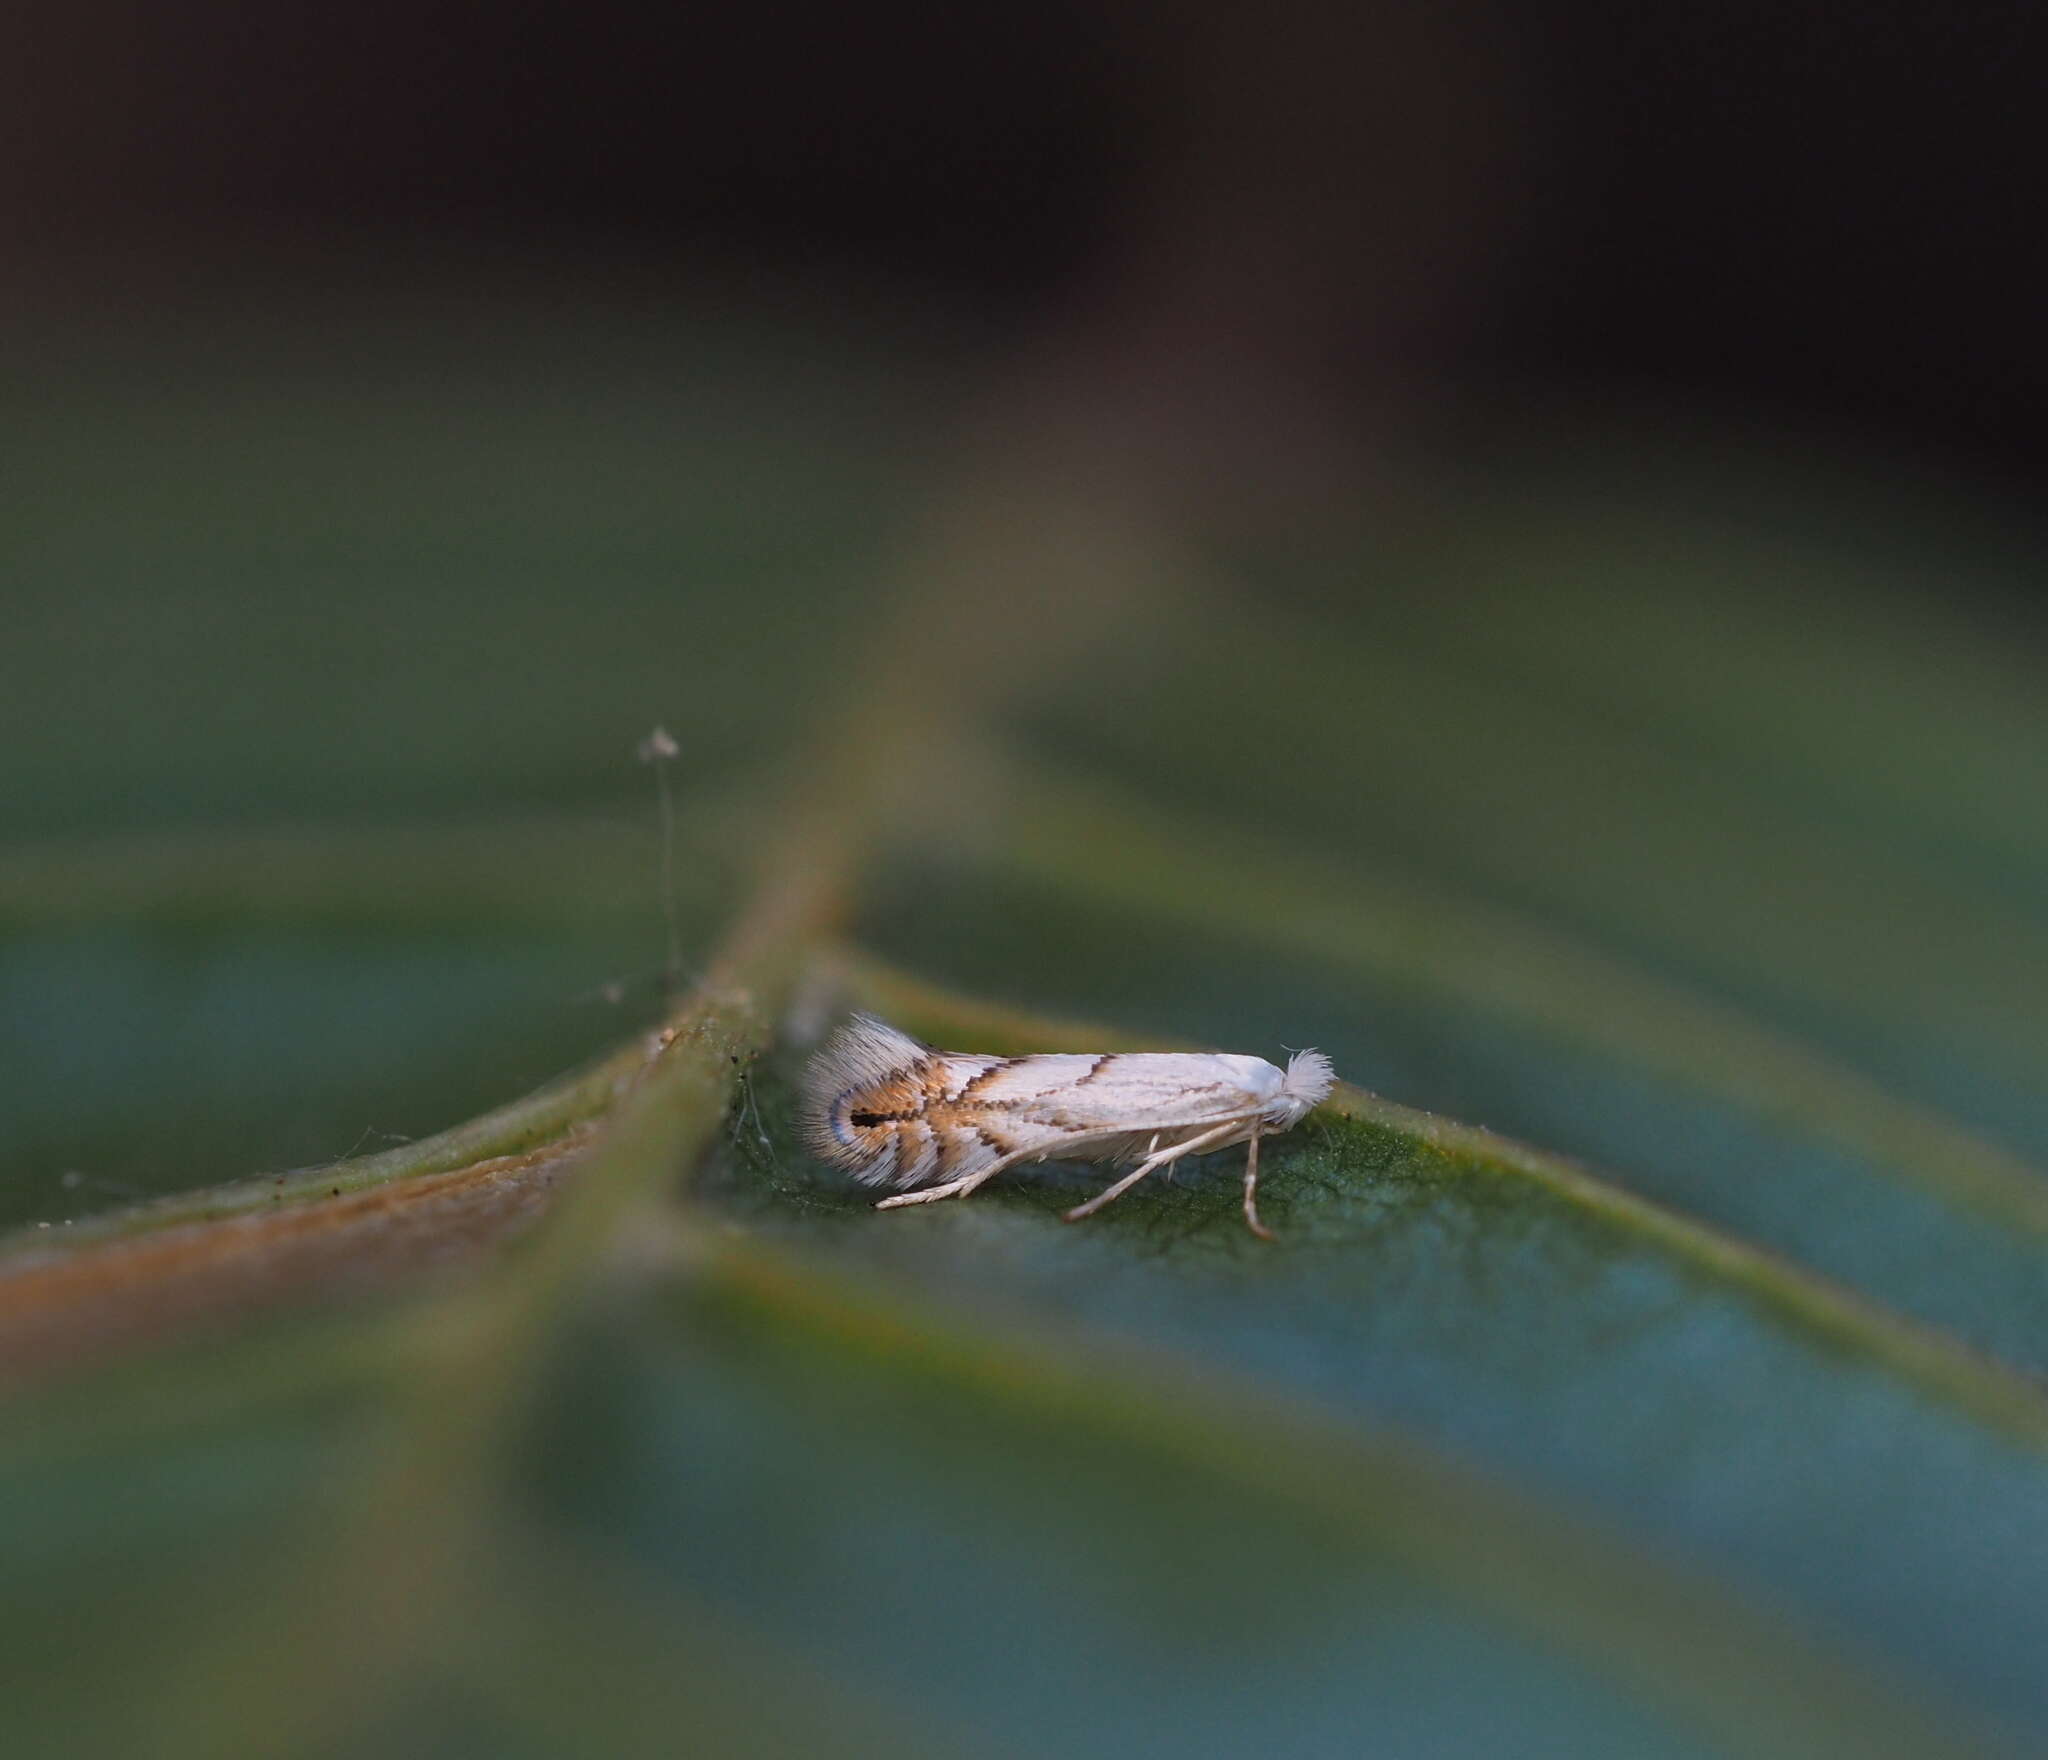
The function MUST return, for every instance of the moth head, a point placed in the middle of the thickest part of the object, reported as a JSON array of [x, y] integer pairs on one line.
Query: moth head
[[1307, 1084]]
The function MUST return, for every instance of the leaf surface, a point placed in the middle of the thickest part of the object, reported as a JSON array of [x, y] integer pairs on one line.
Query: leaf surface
[[1650, 1361]]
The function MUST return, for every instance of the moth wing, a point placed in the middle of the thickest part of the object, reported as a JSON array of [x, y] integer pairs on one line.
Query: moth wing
[[861, 1054], [1131, 1092], [1019, 1081], [921, 1152]]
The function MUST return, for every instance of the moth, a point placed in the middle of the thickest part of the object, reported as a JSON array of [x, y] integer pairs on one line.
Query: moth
[[940, 1124]]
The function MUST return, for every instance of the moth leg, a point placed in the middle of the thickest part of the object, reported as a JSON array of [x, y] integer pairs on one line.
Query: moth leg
[[1151, 1163], [1251, 1190], [953, 1188]]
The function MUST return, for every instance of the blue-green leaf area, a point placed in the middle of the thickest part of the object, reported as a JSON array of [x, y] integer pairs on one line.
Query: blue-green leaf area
[[1894, 951], [1860, 654], [424, 564], [1120, 1603], [265, 585], [1705, 1119], [1552, 1346], [272, 1052]]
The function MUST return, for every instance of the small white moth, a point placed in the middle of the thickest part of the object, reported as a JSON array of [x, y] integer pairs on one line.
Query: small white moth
[[893, 1112]]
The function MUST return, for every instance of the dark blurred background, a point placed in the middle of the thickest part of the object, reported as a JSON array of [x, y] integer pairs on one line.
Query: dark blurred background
[[1821, 218]]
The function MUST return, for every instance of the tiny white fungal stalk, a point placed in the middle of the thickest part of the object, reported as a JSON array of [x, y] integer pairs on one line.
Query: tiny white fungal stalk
[[893, 1112]]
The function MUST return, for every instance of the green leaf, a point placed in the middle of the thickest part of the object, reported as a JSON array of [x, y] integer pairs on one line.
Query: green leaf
[[1670, 1386], [1488, 1014]]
